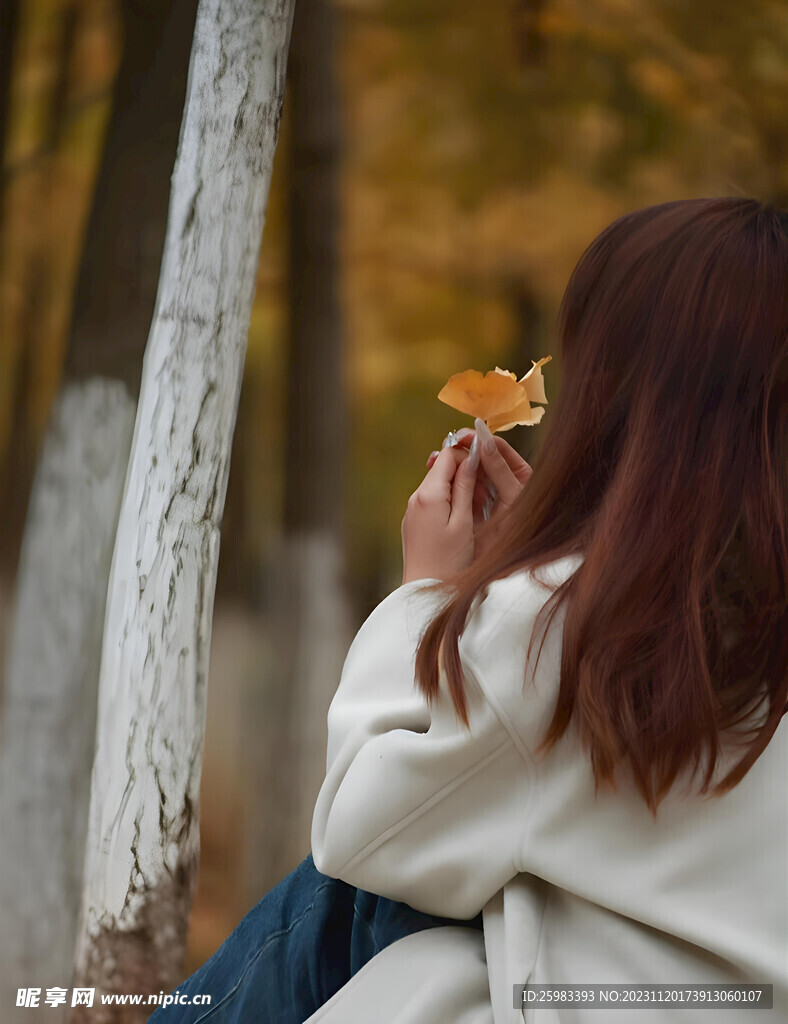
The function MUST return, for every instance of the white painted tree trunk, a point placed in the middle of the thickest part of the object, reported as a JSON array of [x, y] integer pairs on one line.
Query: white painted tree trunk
[[49, 712], [143, 833]]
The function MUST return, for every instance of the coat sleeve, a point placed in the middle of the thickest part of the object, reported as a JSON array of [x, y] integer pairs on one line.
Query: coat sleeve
[[415, 807]]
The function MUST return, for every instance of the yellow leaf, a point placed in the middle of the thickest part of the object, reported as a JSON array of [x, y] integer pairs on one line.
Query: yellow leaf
[[523, 415], [497, 397], [534, 381], [479, 394]]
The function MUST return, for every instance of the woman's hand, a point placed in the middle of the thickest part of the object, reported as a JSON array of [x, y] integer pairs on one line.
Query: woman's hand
[[498, 480], [437, 528]]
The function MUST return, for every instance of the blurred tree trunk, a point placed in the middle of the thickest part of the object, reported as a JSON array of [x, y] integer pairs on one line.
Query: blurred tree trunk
[[307, 610], [52, 673], [528, 32], [38, 257], [9, 25], [237, 582], [143, 829]]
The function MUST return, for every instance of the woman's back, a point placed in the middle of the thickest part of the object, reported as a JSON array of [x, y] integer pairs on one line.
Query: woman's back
[[575, 889], [699, 894]]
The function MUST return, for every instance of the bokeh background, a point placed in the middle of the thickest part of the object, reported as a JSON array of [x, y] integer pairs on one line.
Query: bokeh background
[[440, 169]]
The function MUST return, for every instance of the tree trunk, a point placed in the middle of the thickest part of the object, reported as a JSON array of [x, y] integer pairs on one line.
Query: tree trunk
[[306, 612], [119, 274], [49, 713], [143, 831], [9, 26], [35, 324], [52, 673]]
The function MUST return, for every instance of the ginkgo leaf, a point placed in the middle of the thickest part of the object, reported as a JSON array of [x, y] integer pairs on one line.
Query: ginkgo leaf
[[498, 397], [480, 394], [523, 415], [534, 381]]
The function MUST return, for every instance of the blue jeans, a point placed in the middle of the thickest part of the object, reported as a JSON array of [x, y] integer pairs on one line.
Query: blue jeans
[[301, 943]]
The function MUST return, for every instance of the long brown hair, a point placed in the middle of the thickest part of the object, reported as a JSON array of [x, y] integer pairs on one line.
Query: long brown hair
[[665, 464]]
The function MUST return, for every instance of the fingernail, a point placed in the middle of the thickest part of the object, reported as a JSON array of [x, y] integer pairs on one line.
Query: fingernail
[[482, 431], [431, 455], [474, 455]]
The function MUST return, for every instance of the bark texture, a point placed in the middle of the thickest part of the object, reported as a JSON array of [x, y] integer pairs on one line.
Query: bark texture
[[143, 838]]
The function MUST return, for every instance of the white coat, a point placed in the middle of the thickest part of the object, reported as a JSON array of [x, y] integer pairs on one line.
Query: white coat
[[574, 890]]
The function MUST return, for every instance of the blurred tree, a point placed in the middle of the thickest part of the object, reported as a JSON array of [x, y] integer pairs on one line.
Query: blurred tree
[[9, 21], [143, 831], [530, 38], [52, 675], [307, 606], [736, 59], [39, 275]]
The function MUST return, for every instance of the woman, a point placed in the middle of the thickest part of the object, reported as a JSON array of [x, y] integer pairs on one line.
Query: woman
[[592, 762]]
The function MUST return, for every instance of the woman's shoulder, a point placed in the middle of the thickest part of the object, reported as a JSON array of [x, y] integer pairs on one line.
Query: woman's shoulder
[[542, 580], [499, 625], [506, 607], [513, 653]]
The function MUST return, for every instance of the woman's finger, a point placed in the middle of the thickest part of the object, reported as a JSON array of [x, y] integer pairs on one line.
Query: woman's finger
[[462, 441], [436, 485], [497, 467], [513, 459], [482, 495], [463, 489]]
